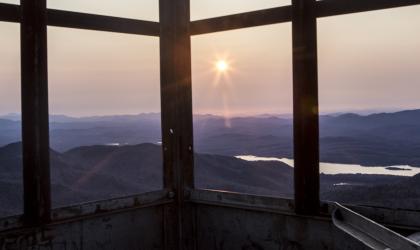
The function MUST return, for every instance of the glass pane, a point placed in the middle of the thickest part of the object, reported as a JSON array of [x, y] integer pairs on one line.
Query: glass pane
[[10, 122], [370, 132], [202, 9], [105, 120], [142, 10], [242, 103]]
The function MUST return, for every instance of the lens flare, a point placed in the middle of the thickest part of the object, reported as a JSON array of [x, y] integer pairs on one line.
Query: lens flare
[[222, 65]]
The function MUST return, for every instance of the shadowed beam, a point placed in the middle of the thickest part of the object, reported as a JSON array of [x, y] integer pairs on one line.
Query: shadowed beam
[[243, 20], [305, 107], [9, 13], [77, 20], [327, 8], [177, 122], [283, 14], [68, 19], [35, 130]]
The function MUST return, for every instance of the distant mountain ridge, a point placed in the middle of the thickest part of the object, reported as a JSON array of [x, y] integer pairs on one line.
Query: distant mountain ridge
[[381, 139]]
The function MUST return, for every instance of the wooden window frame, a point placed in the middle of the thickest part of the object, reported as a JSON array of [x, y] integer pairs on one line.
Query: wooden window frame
[[175, 30]]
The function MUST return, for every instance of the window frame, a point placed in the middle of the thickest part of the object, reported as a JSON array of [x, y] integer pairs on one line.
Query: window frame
[[174, 30]]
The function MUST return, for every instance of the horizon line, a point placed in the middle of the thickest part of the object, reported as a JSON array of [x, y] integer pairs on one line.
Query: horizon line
[[362, 112]]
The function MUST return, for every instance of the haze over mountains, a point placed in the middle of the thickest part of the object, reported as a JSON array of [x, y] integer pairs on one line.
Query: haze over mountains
[[373, 140], [87, 165]]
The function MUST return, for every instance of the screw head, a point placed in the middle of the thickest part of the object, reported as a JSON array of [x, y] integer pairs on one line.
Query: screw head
[[171, 194]]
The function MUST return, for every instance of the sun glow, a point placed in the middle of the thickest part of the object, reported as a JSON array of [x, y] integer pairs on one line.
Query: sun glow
[[222, 83], [222, 65]]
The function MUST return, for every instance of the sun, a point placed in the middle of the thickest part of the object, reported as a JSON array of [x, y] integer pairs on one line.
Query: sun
[[222, 65]]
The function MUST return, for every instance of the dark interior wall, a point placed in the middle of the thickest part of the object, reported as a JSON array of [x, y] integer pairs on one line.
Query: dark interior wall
[[224, 228], [133, 229], [217, 227]]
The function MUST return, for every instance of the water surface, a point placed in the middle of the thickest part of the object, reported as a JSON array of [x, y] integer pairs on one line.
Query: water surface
[[340, 168]]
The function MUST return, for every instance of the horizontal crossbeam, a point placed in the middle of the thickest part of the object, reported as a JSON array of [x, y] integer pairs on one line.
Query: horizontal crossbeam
[[69, 19], [325, 8], [283, 14]]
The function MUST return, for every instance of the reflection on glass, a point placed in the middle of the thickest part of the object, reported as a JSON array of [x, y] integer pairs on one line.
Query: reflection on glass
[[10, 122], [104, 115], [242, 103], [370, 128]]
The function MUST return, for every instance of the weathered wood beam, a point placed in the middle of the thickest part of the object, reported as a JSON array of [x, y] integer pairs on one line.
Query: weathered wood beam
[[69, 19], [243, 20], [283, 14], [327, 8], [177, 127], [35, 130], [77, 20], [9, 13], [305, 107]]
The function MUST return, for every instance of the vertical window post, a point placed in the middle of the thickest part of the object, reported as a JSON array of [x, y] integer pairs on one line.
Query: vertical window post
[[35, 134], [305, 107], [177, 127]]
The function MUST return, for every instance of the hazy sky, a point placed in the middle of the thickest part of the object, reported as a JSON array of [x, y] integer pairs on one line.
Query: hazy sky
[[366, 61]]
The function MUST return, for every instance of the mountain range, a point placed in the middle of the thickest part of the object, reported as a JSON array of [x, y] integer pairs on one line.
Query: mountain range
[[90, 173], [382, 139], [96, 158], [100, 172]]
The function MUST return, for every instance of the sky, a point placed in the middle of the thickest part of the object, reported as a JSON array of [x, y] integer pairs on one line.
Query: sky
[[367, 61]]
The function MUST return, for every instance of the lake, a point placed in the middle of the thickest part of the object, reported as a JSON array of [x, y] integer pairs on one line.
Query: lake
[[339, 168]]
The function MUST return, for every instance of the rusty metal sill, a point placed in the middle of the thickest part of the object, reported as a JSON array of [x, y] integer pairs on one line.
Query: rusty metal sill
[[393, 218], [95, 208]]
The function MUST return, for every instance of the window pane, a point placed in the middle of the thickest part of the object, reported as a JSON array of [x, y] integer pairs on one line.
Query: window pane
[[105, 120], [10, 122], [242, 96], [142, 10], [202, 9], [369, 81]]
